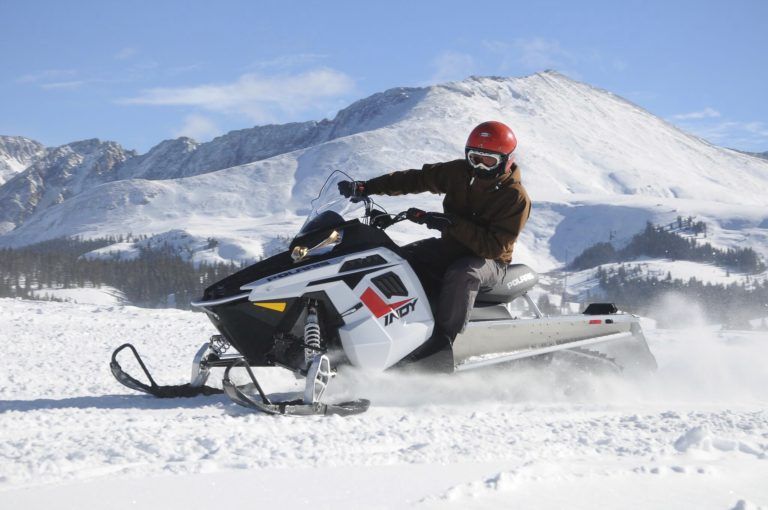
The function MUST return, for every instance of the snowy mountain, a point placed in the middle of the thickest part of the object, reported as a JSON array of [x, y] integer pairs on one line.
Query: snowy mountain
[[58, 175], [63, 172], [16, 154], [762, 155], [596, 166]]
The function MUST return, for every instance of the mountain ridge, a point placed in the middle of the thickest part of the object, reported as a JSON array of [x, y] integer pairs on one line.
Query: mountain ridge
[[580, 147], [49, 176], [16, 154]]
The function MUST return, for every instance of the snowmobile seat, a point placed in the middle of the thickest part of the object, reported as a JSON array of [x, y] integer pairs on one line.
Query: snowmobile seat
[[518, 280]]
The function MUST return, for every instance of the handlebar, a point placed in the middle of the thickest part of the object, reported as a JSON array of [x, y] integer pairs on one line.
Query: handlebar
[[379, 219], [376, 218]]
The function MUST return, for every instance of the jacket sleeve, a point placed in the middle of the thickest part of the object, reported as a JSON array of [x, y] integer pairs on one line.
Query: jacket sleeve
[[497, 238], [433, 178]]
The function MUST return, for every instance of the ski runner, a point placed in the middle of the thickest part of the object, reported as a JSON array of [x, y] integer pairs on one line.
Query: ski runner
[[485, 208]]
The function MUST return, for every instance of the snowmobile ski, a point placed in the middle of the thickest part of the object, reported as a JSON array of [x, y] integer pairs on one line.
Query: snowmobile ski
[[154, 389], [241, 394]]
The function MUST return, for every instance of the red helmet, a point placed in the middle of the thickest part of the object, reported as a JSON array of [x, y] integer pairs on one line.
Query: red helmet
[[488, 148]]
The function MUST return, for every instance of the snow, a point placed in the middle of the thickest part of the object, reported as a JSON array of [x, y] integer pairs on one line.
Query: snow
[[13, 167], [198, 249], [580, 282], [16, 155], [104, 295], [692, 435], [595, 166]]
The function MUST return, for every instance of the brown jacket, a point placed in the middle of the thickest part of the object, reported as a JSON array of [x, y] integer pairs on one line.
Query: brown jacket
[[487, 215]]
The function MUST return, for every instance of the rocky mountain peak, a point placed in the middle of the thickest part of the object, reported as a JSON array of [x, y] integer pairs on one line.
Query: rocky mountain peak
[[16, 154], [57, 174]]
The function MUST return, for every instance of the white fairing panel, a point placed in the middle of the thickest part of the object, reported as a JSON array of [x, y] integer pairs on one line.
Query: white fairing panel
[[382, 323]]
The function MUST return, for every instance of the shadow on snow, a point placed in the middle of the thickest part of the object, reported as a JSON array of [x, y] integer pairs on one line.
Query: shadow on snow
[[112, 402]]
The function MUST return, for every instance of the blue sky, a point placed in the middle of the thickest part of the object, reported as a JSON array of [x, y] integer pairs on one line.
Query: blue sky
[[140, 72]]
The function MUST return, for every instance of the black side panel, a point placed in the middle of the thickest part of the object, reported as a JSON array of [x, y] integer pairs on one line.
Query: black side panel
[[251, 329], [254, 331], [351, 279], [362, 263], [230, 285], [357, 237]]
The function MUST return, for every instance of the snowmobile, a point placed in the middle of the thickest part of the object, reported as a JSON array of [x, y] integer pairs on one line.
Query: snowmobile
[[344, 293]]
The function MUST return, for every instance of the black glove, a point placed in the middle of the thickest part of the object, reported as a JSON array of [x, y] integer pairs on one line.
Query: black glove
[[380, 219], [352, 189], [433, 220], [416, 215]]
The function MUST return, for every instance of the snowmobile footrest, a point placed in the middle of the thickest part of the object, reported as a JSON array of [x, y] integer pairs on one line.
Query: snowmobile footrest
[[171, 391], [240, 395]]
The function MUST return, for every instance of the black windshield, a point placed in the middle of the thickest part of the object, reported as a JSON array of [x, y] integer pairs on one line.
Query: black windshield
[[323, 221]]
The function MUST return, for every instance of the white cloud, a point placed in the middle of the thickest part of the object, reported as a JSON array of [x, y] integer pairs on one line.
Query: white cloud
[[706, 113], [619, 64], [74, 84], [539, 53], [709, 124], [177, 70], [535, 54], [48, 74], [199, 127], [257, 96], [287, 61], [125, 53], [450, 66], [58, 79], [749, 136]]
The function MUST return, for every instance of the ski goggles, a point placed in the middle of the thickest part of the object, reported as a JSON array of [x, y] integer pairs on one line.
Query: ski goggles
[[483, 160]]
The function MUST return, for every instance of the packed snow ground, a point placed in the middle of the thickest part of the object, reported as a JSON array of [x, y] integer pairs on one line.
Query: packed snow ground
[[692, 435]]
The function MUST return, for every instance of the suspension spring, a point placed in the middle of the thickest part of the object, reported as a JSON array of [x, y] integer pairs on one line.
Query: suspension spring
[[312, 337]]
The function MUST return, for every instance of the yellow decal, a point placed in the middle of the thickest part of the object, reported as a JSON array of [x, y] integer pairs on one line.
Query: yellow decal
[[278, 307]]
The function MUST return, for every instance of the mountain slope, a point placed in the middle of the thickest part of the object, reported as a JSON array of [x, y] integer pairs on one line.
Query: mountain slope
[[16, 154], [58, 175], [589, 159], [64, 172], [184, 157]]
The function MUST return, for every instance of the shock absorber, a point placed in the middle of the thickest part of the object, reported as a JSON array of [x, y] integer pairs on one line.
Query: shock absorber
[[311, 334]]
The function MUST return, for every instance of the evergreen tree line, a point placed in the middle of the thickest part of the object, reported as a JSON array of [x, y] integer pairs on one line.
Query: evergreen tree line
[[688, 225], [732, 305], [146, 280], [659, 242]]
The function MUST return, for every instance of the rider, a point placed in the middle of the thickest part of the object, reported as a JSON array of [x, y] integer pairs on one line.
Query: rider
[[485, 208]]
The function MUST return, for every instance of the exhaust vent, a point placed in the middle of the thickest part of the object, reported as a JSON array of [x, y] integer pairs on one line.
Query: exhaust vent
[[390, 285]]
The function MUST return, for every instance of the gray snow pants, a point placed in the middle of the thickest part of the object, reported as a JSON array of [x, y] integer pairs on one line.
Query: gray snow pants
[[452, 276]]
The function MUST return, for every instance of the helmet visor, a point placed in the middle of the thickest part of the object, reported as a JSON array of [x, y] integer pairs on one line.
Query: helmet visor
[[482, 160]]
